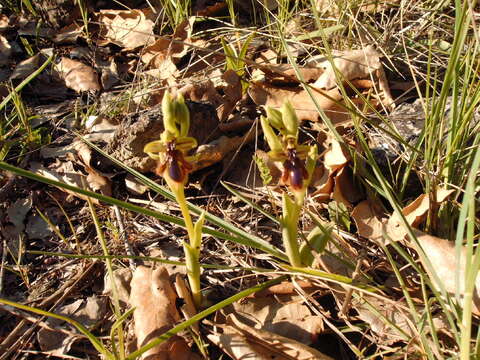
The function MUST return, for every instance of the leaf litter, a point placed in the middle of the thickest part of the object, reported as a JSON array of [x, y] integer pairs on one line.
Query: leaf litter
[[285, 323]]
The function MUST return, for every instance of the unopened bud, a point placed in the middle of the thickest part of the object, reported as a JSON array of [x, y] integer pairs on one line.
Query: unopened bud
[[272, 139], [169, 114], [274, 116], [182, 116], [290, 119]]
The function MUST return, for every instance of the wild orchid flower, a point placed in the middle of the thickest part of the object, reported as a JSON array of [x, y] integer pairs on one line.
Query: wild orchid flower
[[280, 129], [174, 165]]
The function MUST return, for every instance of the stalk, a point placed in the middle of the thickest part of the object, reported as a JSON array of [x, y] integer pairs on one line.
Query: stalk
[[191, 249]]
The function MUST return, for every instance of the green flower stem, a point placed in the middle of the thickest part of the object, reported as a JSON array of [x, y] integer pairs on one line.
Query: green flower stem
[[291, 214], [192, 249]]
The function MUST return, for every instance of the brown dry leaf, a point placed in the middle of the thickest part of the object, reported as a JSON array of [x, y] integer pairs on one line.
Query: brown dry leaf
[[369, 224], [86, 311], [5, 50], [241, 341], [126, 28], [284, 73], [188, 308], [381, 314], [203, 91], [323, 186], [263, 94], [78, 76], [154, 298], [216, 150], [441, 254], [68, 34], [233, 94], [122, 278], [355, 64], [4, 22], [415, 213], [345, 190], [284, 315], [164, 53], [26, 67], [110, 76], [284, 288], [65, 173], [95, 180], [335, 158]]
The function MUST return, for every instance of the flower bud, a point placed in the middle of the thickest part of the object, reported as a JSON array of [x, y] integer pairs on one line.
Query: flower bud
[[169, 114], [290, 119], [274, 117], [270, 136], [182, 115]]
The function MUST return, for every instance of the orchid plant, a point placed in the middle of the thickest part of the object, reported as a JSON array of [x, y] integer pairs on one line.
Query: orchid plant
[[174, 165], [280, 129]]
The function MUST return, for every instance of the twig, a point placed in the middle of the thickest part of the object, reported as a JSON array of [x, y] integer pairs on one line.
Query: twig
[[124, 238], [2, 265]]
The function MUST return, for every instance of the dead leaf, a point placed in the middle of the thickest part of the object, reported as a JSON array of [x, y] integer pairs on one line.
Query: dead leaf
[[122, 278], [134, 186], [355, 64], [164, 53], [369, 224], [329, 101], [65, 173], [16, 215], [279, 74], [232, 94], [442, 255], [284, 288], [415, 213], [4, 22], [5, 50], [95, 180], [384, 314], [284, 315], [101, 129], [68, 34], [37, 228], [78, 76], [87, 311], [110, 76], [154, 299], [241, 341], [203, 91], [335, 158], [345, 190], [126, 28], [26, 67], [323, 185], [188, 308]]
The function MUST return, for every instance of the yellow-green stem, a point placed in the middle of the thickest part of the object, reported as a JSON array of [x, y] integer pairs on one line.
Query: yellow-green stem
[[289, 235], [192, 251], [466, 327]]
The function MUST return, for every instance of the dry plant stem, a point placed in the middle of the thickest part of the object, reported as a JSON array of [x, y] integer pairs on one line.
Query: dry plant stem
[[2, 265], [123, 236], [192, 250]]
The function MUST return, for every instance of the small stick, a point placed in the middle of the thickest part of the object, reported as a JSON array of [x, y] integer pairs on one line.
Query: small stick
[[2, 265], [123, 237]]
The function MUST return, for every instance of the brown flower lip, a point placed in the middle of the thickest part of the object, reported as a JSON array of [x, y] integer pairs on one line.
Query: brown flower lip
[[174, 162], [294, 171]]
